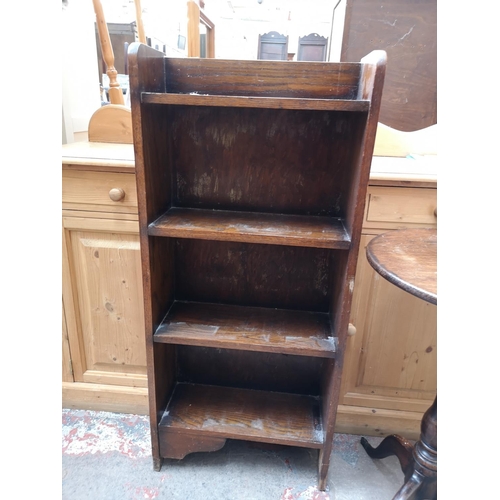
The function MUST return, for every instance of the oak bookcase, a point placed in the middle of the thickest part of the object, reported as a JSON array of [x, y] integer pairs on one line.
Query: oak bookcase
[[251, 184]]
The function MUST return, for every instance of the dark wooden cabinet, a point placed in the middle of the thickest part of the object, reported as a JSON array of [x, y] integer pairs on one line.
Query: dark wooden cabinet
[[251, 182], [407, 31]]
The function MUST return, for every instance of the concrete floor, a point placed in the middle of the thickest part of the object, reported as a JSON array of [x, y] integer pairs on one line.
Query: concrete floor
[[106, 456]]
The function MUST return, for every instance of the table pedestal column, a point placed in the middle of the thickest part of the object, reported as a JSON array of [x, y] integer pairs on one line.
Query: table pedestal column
[[419, 462]]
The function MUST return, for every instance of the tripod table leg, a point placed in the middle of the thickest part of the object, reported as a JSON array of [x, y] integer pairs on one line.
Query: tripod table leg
[[390, 446], [419, 462]]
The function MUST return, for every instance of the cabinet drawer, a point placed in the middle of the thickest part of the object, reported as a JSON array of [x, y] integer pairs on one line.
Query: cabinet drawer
[[390, 207], [99, 191]]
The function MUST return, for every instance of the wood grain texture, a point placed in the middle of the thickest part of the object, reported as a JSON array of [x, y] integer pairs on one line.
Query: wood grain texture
[[253, 159], [104, 224], [129, 378], [141, 35], [407, 258], [111, 123], [248, 274], [175, 444], [146, 70], [277, 229], [256, 102], [396, 208], [376, 421], [193, 29], [105, 275], [84, 190], [262, 416], [247, 328], [102, 397], [103, 215], [266, 79], [407, 31], [115, 92], [278, 162], [67, 370], [71, 310], [391, 361], [250, 370], [370, 87]]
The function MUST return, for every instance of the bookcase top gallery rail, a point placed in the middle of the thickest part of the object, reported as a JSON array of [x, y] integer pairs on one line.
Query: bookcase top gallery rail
[[285, 79]]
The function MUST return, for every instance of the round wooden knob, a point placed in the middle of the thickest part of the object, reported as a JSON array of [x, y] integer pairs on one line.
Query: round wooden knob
[[436, 212], [351, 330], [117, 194]]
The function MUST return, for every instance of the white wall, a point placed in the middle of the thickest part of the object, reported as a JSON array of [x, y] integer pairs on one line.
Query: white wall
[[236, 37], [80, 81], [238, 24]]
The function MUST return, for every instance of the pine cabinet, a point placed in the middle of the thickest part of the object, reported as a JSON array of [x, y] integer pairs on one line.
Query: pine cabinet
[[390, 371], [104, 360]]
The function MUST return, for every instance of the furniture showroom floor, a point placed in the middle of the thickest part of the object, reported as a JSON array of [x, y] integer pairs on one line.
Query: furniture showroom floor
[[106, 456]]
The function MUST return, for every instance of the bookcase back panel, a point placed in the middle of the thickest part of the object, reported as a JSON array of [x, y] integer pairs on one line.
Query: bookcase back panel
[[263, 160], [250, 370], [253, 274], [270, 79]]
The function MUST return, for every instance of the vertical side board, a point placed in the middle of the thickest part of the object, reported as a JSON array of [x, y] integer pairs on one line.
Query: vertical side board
[[370, 88], [147, 74]]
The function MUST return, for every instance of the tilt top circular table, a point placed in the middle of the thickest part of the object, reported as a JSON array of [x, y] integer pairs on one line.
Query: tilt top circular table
[[407, 258]]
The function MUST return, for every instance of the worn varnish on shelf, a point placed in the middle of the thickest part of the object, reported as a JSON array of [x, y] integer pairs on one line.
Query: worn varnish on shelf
[[251, 183]]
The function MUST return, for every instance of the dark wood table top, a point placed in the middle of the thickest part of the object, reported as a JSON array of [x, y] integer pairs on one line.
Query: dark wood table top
[[408, 259]]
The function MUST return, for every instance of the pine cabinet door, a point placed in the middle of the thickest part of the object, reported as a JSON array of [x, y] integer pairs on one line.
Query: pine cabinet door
[[102, 291], [390, 362]]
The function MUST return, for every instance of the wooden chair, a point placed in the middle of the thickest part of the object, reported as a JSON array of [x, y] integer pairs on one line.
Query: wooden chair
[[112, 122], [312, 48], [273, 46]]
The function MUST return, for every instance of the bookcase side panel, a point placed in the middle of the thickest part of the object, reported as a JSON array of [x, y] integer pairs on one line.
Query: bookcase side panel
[[146, 68]]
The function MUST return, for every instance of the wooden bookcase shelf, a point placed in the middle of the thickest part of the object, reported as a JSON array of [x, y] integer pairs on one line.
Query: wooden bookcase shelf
[[251, 183], [248, 328], [246, 414], [277, 229]]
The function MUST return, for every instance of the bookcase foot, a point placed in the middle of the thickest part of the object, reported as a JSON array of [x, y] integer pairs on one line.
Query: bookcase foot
[[157, 463], [178, 445]]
